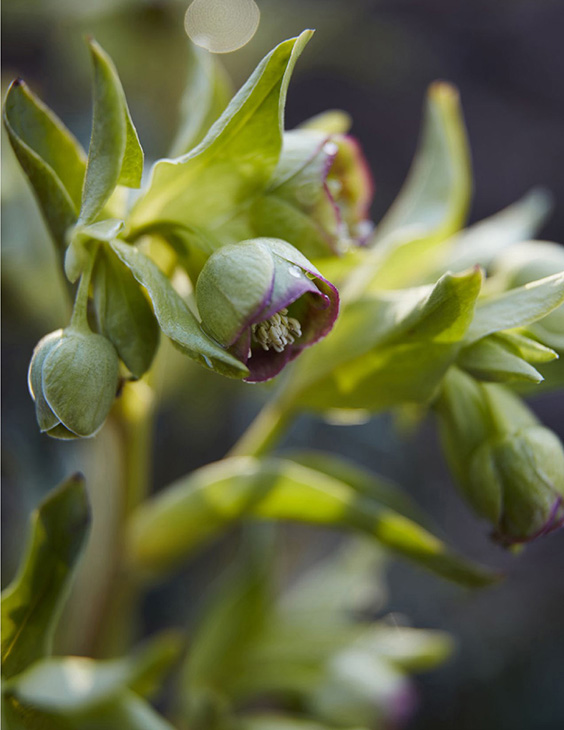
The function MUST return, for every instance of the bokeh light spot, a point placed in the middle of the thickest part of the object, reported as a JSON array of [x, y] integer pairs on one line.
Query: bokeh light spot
[[221, 26]]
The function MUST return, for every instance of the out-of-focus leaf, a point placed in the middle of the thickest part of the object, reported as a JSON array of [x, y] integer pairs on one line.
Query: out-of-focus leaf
[[127, 711], [50, 156], [361, 480], [206, 94], [115, 155], [481, 242], [236, 158], [389, 349], [31, 603], [231, 622], [516, 308], [413, 650], [73, 687], [333, 121], [124, 314], [488, 359], [168, 528], [173, 315], [431, 206], [269, 721]]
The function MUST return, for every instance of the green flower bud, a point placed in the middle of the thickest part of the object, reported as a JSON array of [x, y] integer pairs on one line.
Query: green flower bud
[[73, 378], [509, 466], [266, 302]]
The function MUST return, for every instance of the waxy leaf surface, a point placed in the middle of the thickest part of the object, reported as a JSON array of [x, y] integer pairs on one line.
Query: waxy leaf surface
[[31, 603]]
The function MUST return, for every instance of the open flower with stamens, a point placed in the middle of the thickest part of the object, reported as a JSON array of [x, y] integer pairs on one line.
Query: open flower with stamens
[[265, 302]]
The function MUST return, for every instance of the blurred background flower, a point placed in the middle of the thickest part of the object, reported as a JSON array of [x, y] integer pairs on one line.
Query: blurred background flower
[[374, 59]]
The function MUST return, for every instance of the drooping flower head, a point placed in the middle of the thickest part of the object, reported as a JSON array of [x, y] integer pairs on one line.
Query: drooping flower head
[[265, 302], [319, 197]]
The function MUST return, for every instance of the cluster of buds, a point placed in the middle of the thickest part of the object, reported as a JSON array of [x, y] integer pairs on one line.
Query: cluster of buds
[[509, 466], [265, 302]]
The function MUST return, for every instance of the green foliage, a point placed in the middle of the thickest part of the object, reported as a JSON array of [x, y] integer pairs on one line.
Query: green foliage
[[173, 315], [235, 160], [50, 156], [32, 602], [115, 155], [168, 528]]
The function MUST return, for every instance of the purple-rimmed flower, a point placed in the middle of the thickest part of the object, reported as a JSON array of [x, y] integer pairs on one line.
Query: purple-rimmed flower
[[265, 302], [320, 195]]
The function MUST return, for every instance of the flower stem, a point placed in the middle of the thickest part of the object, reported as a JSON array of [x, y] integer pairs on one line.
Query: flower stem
[[79, 319], [266, 429]]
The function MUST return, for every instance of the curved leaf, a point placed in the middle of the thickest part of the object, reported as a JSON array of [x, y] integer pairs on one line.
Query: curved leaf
[[50, 156], [516, 307], [115, 155], [168, 528], [31, 603], [234, 161], [123, 313], [174, 317], [388, 349], [431, 206], [207, 92]]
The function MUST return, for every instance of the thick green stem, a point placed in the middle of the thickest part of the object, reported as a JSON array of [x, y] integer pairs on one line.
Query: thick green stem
[[135, 423], [266, 429]]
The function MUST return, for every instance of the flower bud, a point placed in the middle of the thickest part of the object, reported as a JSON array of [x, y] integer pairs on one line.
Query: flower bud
[[319, 198], [265, 302], [510, 467], [73, 378]]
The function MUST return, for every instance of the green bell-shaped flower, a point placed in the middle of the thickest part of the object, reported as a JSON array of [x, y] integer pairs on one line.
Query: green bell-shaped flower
[[320, 195], [509, 466], [73, 379], [265, 302]]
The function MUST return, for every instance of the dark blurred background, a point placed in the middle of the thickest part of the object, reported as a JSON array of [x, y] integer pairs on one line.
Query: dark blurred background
[[375, 60]]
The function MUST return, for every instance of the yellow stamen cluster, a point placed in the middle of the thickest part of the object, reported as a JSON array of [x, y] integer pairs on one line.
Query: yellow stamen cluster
[[277, 331]]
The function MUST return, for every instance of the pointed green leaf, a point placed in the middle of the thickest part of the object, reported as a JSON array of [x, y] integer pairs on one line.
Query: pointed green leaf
[[123, 313], [50, 156], [169, 527], [31, 603], [234, 161], [483, 241], [70, 686], [173, 315], [525, 347], [491, 360], [516, 307], [388, 349], [431, 206], [115, 155], [206, 94]]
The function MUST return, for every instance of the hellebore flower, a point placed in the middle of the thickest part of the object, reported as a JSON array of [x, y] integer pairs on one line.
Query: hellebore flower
[[509, 466], [265, 302], [73, 378], [319, 197]]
